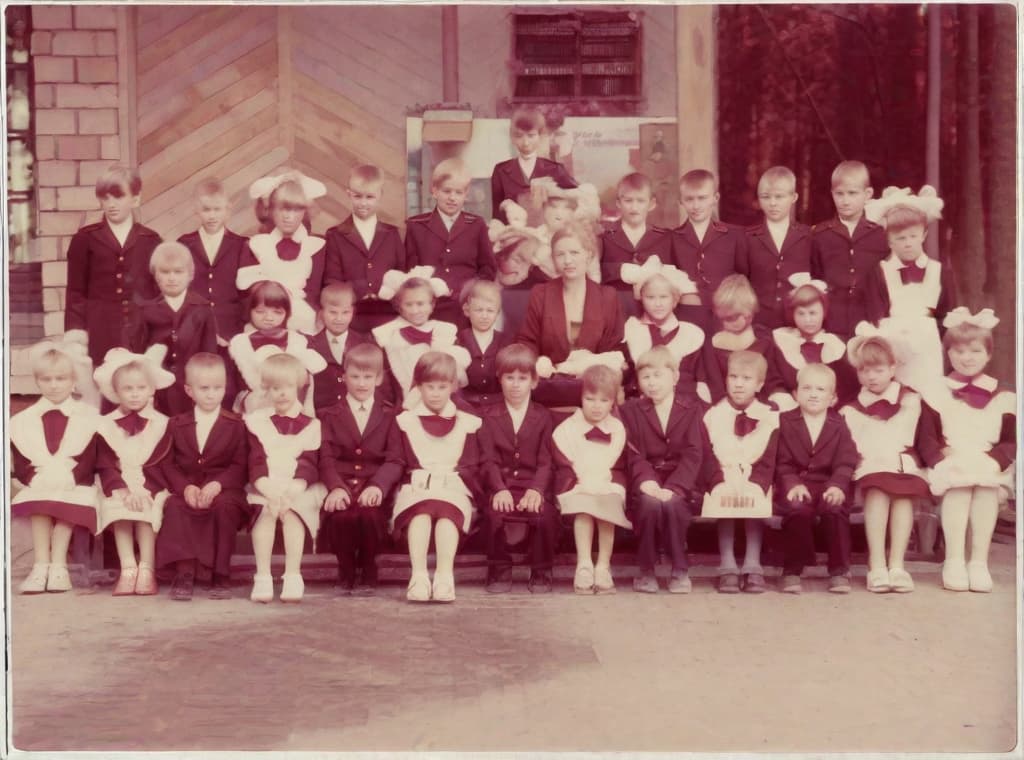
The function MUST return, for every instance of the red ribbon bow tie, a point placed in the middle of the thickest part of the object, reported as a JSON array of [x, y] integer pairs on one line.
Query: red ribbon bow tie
[[55, 422], [743, 425], [659, 339], [436, 425], [596, 435], [882, 409], [132, 423], [287, 425], [414, 335], [811, 351], [288, 249], [911, 274], [259, 340], [973, 395]]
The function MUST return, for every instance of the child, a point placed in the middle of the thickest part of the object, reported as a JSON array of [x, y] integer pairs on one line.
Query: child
[[411, 334], [664, 451], [516, 439], [177, 319], [108, 268], [53, 455], [133, 442], [511, 179], [481, 303], [735, 304], [909, 294], [816, 459], [630, 240], [978, 424], [778, 247], [337, 307], [362, 248], [659, 289], [450, 240], [283, 476], [846, 248], [436, 446], [287, 254], [886, 424], [589, 450], [216, 256], [268, 308], [352, 467], [741, 436], [703, 247], [806, 342], [206, 471]]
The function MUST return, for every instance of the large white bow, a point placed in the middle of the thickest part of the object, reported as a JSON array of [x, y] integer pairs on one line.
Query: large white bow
[[638, 275], [311, 188], [961, 315], [799, 279], [927, 201], [116, 358], [81, 363], [393, 279]]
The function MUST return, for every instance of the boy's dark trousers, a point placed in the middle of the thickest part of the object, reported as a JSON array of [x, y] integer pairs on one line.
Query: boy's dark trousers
[[205, 535], [798, 533], [355, 535], [671, 519], [544, 528]]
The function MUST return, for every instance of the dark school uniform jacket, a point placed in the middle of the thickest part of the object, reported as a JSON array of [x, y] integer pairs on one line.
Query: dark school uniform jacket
[[508, 182], [329, 385], [711, 260], [829, 461], [224, 458], [671, 458], [844, 263], [483, 387], [769, 269], [616, 250], [216, 282], [349, 260], [517, 461], [107, 284], [352, 460], [458, 256]]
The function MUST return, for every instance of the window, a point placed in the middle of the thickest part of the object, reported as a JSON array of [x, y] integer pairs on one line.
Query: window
[[20, 143]]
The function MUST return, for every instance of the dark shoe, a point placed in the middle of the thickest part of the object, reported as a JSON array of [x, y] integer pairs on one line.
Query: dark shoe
[[729, 583], [220, 589], [753, 583], [182, 587], [364, 589], [540, 582], [499, 582], [345, 586]]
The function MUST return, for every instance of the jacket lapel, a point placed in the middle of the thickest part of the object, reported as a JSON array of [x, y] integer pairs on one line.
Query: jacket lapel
[[793, 236], [554, 312], [593, 320], [436, 225]]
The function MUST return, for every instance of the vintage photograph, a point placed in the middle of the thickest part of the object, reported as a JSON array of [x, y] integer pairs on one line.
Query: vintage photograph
[[538, 378]]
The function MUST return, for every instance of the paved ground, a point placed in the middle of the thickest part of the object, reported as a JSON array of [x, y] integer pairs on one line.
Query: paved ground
[[928, 671]]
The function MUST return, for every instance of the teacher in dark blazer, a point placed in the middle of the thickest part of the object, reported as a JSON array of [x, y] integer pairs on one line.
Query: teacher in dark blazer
[[570, 312]]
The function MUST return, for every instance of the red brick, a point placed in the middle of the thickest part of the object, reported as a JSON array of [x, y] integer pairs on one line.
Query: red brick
[[53, 324], [87, 95], [97, 121], [110, 147], [59, 222], [97, 69], [46, 97], [48, 248], [51, 17], [46, 147], [88, 171], [46, 197], [53, 299], [50, 68], [95, 17], [55, 121], [42, 43], [76, 198], [78, 148], [56, 173], [106, 43], [74, 43]]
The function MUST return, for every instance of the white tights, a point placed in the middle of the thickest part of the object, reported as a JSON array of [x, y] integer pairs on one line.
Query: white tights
[[263, 532], [583, 532], [50, 540], [877, 508], [977, 507], [446, 542]]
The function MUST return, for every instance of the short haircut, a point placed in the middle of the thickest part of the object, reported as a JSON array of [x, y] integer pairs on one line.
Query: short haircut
[[132, 366], [435, 367], [854, 171], [479, 288], [735, 293], [453, 169], [171, 251], [659, 356], [413, 283], [601, 379], [816, 369], [805, 295], [366, 174], [777, 175], [203, 361], [635, 181], [49, 359], [283, 368], [271, 294], [118, 180], [574, 229], [210, 187], [872, 352], [900, 218], [697, 177], [965, 333], [527, 118], [660, 278], [516, 357], [749, 360], [333, 292], [367, 357]]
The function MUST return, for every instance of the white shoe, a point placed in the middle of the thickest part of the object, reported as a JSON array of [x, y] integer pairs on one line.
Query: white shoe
[[979, 577], [603, 582], [444, 588], [878, 581], [58, 579], [262, 588], [419, 588], [292, 587], [35, 582], [583, 581], [901, 581], [954, 576]]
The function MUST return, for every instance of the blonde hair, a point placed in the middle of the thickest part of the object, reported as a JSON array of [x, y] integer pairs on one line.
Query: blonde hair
[[366, 174], [736, 293], [966, 333], [817, 369], [117, 180], [433, 367], [581, 232], [203, 361], [454, 169], [210, 187], [413, 283], [334, 292], [479, 288], [872, 352], [659, 277], [602, 380], [900, 218], [659, 356], [367, 357], [777, 175], [133, 366], [851, 170], [697, 177], [171, 251], [49, 359], [282, 368], [749, 360]]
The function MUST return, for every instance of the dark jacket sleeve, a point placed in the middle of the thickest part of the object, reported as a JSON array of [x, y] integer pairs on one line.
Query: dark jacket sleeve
[[530, 329], [876, 296], [763, 470], [683, 479], [236, 475], [470, 470], [328, 456], [928, 438], [24, 471], [612, 338], [390, 472], [565, 475], [496, 197], [485, 268], [332, 260], [78, 277], [412, 249], [108, 467], [1005, 450], [637, 464], [545, 465]]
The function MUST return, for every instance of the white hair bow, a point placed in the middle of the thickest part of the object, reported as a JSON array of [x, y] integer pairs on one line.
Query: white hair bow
[[311, 188], [638, 275], [861, 333], [81, 363], [961, 315], [393, 279], [799, 279], [116, 358], [927, 201]]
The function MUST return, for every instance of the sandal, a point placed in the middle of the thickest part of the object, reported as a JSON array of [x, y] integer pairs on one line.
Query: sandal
[[145, 581], [125, 585]]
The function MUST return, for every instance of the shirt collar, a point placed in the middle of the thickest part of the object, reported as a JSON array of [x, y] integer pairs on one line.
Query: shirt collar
[[516, 412], [293, 411], [214, 237], [448, 220], [667, 326], [920, 262], [121, 227], [341, 338], [605, 425], [175, 302], [146, 411], [983, 381], [890, 394], [354, 403], [367, 225], [66, 406]]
